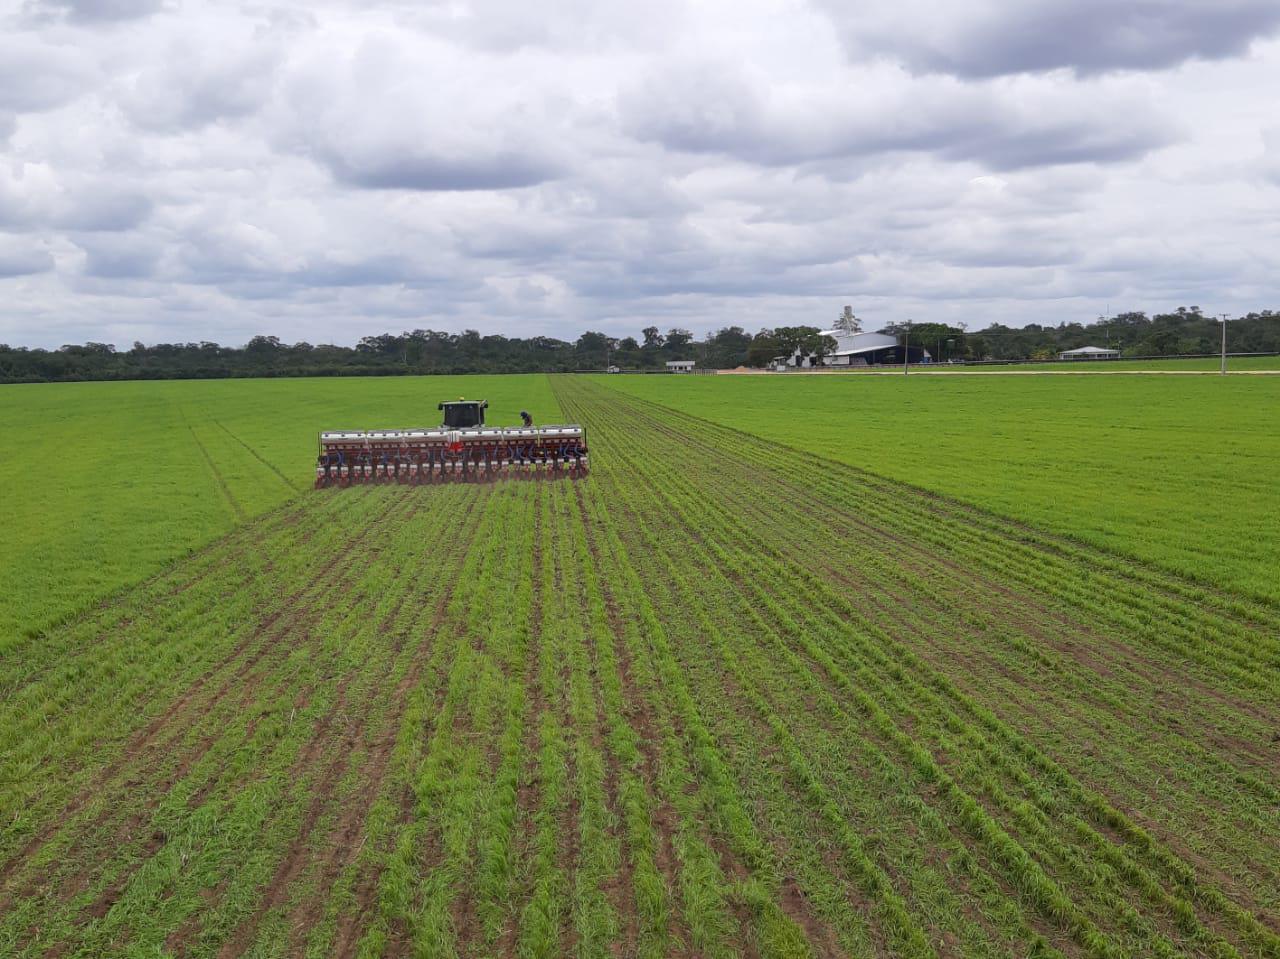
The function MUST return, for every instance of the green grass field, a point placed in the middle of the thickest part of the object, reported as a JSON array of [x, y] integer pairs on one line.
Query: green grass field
[[116, 479], [1179, 471], [1196, 364], [720, 697]]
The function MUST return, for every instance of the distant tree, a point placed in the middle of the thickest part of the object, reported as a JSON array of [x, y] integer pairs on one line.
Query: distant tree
[[765, 346], [676, 343], [727, 348], [807, 340], [593, 349], [1183, 330]]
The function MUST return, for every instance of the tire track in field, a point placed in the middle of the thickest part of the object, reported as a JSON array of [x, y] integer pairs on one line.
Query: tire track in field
[[237, 511], [623, 885], [535, 706], [261, 459]]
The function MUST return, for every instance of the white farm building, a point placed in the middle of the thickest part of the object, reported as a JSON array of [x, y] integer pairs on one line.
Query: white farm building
[[1089, 353], [856, 348], [859, 349]]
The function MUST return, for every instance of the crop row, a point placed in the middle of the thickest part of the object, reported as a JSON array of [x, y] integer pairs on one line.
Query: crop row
[[714, 699], [1092, 871]]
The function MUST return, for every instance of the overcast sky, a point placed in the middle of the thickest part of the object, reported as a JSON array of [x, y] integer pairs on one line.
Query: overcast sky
[[176, 170]]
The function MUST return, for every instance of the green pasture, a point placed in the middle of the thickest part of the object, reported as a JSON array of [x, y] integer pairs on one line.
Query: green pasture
[[1194, 364], [1179, 471], [109, 481]]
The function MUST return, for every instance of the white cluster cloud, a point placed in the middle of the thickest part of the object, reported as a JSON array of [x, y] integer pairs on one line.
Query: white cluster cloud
[[185, 170]]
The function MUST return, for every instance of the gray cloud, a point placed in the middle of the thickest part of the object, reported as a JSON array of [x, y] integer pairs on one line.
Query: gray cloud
[[1003, 127], [323, 171], [32, 198], [573, 25], [35, 75], [106, 211], [116, 258], [387, 169], [989, 38], [17, 260], [1269, 165], [96, 11], [394, 114]]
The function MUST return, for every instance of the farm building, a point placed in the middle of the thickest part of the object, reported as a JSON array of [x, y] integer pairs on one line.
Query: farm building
[[680, 366], [857, 349], [863, 349], [1089, 353]]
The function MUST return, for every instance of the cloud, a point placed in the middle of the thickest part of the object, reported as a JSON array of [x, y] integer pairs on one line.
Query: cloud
[[195, 84], [989, 38], [1269, 165], [570, 25], [33, 197], [202, 170], [117, 258], [395, 113], [17, 259], [91, 210], [36, 75], [96, 11], [1004, 126]]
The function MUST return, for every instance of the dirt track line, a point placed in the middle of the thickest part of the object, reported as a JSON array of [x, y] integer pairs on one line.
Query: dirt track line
[[237, 510], [261, 459]]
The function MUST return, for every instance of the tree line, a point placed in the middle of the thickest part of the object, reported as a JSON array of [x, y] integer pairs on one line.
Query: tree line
[[1184, 331]]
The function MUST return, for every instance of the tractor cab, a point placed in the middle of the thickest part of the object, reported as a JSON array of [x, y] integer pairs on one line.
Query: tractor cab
[[463, 414]]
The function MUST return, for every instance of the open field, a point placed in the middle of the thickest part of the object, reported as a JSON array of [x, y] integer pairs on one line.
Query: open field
[[1200, 363], [115, 479], [718, 698], [1179, 471]]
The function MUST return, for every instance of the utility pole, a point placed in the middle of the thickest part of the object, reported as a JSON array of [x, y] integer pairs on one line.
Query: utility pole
[[1224, 343], [906, 349]]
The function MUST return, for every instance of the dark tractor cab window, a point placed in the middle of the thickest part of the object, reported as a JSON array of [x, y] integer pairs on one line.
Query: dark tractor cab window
[[463, 415]]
